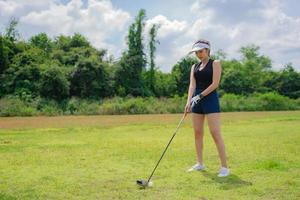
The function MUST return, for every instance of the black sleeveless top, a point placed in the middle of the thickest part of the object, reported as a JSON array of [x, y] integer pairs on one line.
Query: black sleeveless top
[[204, 76]]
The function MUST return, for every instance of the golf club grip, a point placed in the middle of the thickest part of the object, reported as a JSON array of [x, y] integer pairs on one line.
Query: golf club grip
[[167, 146]]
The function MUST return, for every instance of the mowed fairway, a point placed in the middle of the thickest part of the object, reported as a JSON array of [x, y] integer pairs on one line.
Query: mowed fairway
[[100, 157]]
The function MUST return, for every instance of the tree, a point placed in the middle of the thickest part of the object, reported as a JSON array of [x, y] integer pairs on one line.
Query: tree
[[63, 42], [11, 31], [18, 79], [23, 73], [152, 43], [79, 40], [69, 50], [8, 47], [90, 79], [42, 41], [4, 57], [54, 83], [289, 82], [253, 66], [132, 64], [165, 84], [181, 73], [235, 78], [128, 81], [135, 40], [75, 54], [253, 61]]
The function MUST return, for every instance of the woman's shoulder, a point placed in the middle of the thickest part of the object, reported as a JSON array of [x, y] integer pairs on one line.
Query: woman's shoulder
[[215, 61], [216, 64]]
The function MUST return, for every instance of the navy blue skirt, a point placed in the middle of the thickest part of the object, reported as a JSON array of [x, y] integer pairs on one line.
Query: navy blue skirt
[[208, 104]]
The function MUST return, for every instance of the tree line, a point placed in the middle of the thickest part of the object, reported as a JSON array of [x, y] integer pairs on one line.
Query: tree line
[[70, 66]]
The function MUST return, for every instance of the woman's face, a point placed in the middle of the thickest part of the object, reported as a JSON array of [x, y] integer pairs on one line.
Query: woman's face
[[203, 53]]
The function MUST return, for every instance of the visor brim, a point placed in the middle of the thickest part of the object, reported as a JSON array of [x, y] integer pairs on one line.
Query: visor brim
[[195, 49]]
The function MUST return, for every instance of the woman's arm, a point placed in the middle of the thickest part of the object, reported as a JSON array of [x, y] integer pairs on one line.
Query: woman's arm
[[217, 70], [192, 85]]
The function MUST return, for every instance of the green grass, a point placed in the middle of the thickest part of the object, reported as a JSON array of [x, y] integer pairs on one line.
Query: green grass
[[100, 157]]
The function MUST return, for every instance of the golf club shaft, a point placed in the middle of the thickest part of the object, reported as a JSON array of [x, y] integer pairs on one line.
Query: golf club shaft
[[167, 146]]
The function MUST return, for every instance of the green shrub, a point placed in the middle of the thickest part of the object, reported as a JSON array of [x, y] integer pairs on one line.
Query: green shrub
[[257, 102], [275, 101], [49, 107], [13, 106], [54, 83], [231, 102], [23, 106]]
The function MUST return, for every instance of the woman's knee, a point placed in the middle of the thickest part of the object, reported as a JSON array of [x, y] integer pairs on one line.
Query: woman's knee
[[216, 135], [198, 133]]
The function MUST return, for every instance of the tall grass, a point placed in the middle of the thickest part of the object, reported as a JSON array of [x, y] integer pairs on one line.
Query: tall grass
[[14, 106]]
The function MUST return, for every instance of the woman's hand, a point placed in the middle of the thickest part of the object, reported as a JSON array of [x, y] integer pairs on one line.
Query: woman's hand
[[187, 107]]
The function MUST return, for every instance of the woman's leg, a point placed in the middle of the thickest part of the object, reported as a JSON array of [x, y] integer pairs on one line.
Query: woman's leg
[[213, 120], [198, 121]]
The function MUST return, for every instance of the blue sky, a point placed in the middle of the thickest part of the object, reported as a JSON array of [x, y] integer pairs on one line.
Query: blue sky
[[229, 24]]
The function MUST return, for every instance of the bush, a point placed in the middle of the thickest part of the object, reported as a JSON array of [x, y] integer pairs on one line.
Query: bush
[[231, 102], [257, 102], [77, 106], [49, 107], [13, 106], [21, 106], [275, 101], [54, 83]]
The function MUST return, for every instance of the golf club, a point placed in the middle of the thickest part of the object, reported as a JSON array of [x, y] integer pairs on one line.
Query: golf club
[[145, 183]]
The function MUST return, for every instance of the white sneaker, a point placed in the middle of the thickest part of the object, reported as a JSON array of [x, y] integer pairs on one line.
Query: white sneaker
[[223, 172], [197, 167]]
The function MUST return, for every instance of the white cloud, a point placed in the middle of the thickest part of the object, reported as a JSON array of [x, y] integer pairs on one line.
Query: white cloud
[[203, 17], [98, 20], [169, 34], [167, 27], [20, 7], [227, 24], [274, 31], [198, 5]]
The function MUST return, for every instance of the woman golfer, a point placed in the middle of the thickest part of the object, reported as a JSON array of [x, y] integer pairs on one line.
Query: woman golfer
[[203, 100]]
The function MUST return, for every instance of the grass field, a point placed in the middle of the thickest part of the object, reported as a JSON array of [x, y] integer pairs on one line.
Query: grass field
[[100, 157]]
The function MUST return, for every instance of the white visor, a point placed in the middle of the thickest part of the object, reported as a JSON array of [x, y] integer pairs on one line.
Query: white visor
[[198, 46]]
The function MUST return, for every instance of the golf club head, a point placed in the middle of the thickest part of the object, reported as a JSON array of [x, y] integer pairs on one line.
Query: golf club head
[[144, 183]]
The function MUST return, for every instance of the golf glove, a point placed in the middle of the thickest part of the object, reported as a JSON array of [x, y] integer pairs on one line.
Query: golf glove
[[196, 99]]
